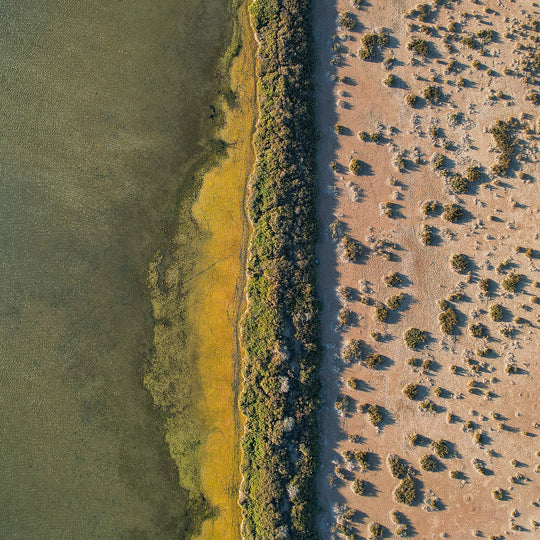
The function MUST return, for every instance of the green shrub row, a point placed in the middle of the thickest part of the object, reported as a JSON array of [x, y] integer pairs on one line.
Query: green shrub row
[[280, 329]]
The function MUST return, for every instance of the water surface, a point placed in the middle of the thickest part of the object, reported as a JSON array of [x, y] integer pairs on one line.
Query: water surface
[[101, 107]]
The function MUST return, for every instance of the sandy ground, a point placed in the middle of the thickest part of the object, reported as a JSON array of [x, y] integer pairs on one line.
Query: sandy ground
[[500, 214]]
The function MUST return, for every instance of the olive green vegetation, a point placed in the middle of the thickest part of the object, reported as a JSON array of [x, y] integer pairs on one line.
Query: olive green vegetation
[[105, 111], [280, 328]]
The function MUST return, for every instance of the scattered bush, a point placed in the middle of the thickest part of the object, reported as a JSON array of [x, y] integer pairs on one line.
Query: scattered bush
[[459, 262], [398, 467], [362, 458], [427, 234], [410, 391], [452, 212], [414, 337], [413, 439], [496, 312], [511, 282], [478, 330], [351, 248], [473, 173], [359, 487], [469, 42], [375, 530], [418, 46], [498, 494], [353, 382], [485, 285], [405, 491], [355, 166], [502, 133], [352, 352], [381, 313], [429, 462], [432, 93], [448, 320], [440, 447], [375, 415], [459, 184], [393, 280], [344, 403], [410, 100], [389, 80], [344, 317], [339, 129], [347, 20], [373, 360], [429, 207], [394, 302], [438, 161]]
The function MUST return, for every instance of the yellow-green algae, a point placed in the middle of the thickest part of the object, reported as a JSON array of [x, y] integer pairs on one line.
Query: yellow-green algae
[[204, 430]]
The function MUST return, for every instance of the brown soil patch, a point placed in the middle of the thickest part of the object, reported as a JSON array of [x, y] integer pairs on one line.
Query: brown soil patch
[[381, 208]]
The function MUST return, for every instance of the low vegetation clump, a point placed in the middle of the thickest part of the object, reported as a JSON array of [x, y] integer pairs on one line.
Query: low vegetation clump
[[452, 212], [498, 494], [410, 391], [344, 317], [405, 491], [473, 173], [470, 42], [413, 439], [512, 282], [496, 312], [427, 234], [343, 403], [375, 414], [355, 166], [394, 302], [448, 320], [440, 447], [372, 360], [381, 313], [414, 338], [393, 280], [502, 133], [353, 382], [359, 486], [459, 184], [429, 207], [438, 161], [418, 46], [375, 530], [389, 80], [371, 42], [485, 285], [459, 262], [352, 352], [351, 248], [478, 330], [411, 99], [362, 458], [429, 462], [347, 20], [432, 93], [398, 467]]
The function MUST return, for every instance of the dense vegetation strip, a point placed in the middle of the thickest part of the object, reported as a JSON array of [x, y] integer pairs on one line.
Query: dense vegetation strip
[[280, 330]]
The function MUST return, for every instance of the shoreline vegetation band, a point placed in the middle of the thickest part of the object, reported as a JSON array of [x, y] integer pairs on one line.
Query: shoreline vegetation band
[[279, 332], [197, 288]]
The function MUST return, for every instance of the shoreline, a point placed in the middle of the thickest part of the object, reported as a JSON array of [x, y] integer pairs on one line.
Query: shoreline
[[219, 281]]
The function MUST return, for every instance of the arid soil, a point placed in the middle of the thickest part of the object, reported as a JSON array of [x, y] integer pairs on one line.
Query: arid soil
[[478, 396]]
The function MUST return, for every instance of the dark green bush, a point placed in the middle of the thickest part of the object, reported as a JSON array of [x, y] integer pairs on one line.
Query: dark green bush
[[459, 262], [496, 312], [405, 491], [419, 46], [452, 212], [414, 337], [448, 320], [429, 462], [410, 390], [511, 282]]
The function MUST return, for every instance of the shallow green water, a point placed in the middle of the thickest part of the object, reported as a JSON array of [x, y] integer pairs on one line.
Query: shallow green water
[[101, 105]]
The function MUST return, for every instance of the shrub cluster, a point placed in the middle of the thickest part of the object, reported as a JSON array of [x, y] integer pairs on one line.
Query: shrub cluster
[[280, 329], [371, 42], [432, 93], [502, 133], [419, 46], [452, 212], [429, 462], [398, 467], [496, 312], [448, 320], [405, 491], [459, 262], [511, 282], [352, 352], [410, 390], [414, 337]]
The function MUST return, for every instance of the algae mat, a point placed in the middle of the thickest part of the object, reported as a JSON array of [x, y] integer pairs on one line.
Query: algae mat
[[104, 106]]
